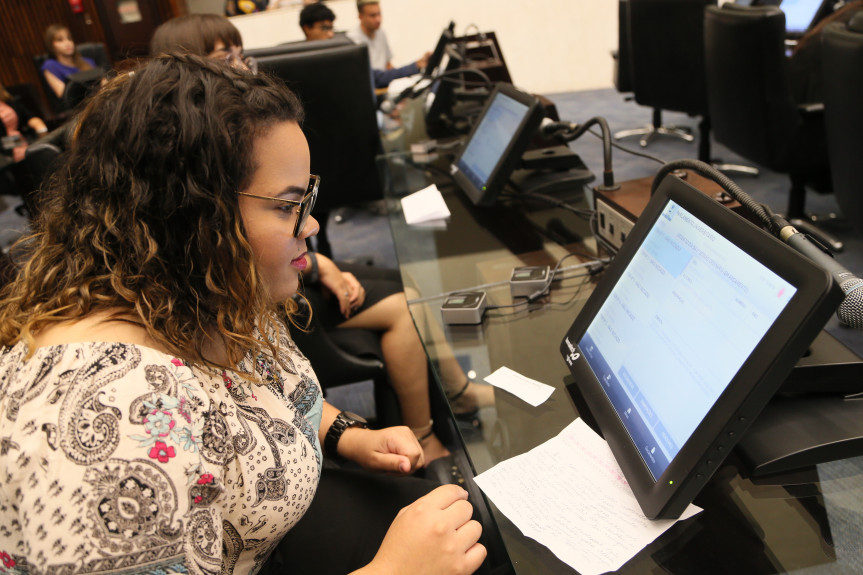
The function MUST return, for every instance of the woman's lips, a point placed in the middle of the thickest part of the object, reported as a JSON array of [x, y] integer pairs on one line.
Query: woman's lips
[[300, 262]]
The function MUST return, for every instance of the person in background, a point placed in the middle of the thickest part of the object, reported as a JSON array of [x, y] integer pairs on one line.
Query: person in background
[[316, 20], [363, 297], [65, 59], [155, 413], [17, 122], [17, 127], [380, 56]]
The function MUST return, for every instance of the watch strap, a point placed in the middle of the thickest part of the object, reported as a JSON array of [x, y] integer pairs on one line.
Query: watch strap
[[343, 421]]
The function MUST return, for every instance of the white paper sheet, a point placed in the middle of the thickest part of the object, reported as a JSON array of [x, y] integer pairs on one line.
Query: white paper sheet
[[426, 207], [570, 495], [530, 390]]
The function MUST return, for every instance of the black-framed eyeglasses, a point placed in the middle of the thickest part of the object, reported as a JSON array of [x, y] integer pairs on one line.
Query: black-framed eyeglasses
[[304, 206]]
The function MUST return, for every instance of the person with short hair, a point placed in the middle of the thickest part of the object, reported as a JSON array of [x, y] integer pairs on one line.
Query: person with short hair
[[369, 32], [317, 20], [155, 413]]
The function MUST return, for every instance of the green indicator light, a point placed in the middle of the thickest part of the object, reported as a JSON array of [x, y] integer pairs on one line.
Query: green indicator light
[[483, 188], [671, 482]]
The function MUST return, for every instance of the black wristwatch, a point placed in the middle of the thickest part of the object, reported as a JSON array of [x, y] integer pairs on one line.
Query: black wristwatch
[[343, 421]]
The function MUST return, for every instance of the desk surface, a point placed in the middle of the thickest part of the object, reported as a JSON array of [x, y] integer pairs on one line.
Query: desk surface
[[813, 527]]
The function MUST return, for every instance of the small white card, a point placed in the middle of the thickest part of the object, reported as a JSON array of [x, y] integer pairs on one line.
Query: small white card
[[424, 206], [530, 390]]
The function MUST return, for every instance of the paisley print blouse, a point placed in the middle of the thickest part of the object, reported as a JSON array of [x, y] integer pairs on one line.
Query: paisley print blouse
[[118, 458]]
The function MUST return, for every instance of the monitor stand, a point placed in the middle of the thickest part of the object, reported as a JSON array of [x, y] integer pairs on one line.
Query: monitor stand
[[551, 171], [814, 419]]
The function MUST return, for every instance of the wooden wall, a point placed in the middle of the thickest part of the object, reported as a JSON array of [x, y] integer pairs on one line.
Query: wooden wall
[[25, 21]]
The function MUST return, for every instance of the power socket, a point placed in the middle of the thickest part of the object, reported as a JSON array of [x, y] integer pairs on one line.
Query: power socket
[[618, 210]]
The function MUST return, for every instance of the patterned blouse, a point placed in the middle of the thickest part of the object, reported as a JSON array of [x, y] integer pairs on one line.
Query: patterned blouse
[[119, 458]]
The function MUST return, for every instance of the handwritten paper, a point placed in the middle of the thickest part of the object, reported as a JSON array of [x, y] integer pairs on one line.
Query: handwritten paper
[[570, 495], [425, 207], [530, 390]]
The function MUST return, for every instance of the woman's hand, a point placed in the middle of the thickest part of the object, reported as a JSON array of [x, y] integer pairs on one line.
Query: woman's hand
[[344, 286], [393, 450], [433, 535]]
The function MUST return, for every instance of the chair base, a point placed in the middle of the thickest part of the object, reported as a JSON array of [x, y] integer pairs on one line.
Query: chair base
[[650, 132], [738, 169]]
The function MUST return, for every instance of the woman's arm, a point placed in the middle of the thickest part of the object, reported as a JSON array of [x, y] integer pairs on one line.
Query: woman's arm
[[393, 450], [57, 85], [38, 125], [343, 285]]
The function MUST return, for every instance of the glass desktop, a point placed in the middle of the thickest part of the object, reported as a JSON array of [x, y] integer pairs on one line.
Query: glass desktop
[[748, 526]]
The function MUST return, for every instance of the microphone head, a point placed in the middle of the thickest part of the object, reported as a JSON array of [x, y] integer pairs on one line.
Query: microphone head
[[850, 311]]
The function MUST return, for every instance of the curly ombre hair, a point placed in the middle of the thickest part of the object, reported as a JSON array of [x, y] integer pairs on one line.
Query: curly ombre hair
[[143, 215]]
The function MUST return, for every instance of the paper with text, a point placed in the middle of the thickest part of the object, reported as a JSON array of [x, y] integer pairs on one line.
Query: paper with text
[[570, 495], [530, 390], [425, 207]]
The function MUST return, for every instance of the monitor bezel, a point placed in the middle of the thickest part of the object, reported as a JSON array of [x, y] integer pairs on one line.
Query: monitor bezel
[[436, 56], [817, 297], [511, 156]]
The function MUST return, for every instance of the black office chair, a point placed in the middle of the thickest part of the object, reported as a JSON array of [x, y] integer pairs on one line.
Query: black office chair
[[751, 105], [299, 46], [665, 72], [842, 75], [342, 356], [624, 83], [341, 127], [40, 159]]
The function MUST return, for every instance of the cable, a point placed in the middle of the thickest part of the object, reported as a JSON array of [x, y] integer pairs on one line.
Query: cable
[[767, 217], [630, 151]]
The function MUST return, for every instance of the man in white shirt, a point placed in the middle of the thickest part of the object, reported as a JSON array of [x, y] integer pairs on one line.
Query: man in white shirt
[[369, 33]]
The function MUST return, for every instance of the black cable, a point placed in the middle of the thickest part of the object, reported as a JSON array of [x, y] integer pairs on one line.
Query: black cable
[[568, 132], [773, 222], [630, 151]]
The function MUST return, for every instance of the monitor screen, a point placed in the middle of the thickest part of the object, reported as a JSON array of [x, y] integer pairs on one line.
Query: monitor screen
[[660, 314], [494, 147], [799, 14], [695, 325]]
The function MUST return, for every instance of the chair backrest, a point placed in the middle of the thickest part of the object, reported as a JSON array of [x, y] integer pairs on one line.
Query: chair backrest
[[341, 123], [666, 41], [623, 60], [97, 52], [842, 72], [39, 161], [750, 100], [299, 46]]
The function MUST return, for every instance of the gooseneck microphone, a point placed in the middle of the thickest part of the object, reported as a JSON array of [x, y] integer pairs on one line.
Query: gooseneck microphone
[[850, 311]]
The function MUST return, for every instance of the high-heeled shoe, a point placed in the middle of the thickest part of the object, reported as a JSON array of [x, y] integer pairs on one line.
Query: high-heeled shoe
[[469, 416]]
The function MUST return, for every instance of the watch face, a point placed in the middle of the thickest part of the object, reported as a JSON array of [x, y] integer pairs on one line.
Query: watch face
[[354, 418]]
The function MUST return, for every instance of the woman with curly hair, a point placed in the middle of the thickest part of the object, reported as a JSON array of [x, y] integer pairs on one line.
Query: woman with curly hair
[[154, 413], [350, 296]]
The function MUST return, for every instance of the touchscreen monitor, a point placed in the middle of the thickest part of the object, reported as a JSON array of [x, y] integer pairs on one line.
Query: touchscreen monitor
[[696, 324], [799, 14], [494, 147]]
